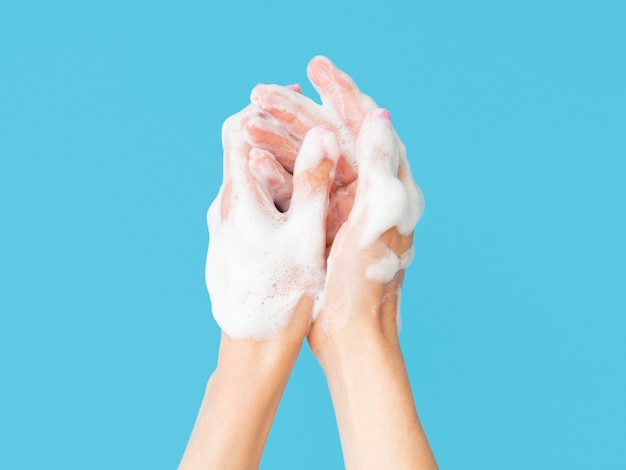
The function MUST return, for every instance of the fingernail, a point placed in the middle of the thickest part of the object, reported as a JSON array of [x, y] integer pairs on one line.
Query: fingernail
[[383, 114]]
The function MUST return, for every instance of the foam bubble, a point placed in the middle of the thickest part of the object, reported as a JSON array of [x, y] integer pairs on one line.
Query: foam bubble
[[385, 268], [257, 275], [261, 262], [407, 258], [384, 199]]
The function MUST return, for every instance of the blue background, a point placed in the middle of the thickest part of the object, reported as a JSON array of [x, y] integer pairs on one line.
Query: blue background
[[514, 115]]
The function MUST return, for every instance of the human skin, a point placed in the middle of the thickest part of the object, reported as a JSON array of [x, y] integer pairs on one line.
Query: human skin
[[289, 115], [242, 397], [260, 260], [244, 391], [355, 337]]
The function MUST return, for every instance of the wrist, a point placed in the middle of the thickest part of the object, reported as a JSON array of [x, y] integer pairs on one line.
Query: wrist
[[351, 348], [256, 361], [372, 398], [240, 401], [258, 358]]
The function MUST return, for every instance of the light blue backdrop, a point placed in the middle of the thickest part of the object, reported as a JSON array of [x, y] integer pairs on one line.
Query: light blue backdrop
[[514, 310]]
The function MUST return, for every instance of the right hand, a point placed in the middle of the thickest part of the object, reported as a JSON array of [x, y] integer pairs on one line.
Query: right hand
[[371, 251]]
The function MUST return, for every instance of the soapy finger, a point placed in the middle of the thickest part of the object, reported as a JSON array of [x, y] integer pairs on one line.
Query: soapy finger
[[295, 111], [415, 194], [267, 170], [265, 134], [313, 176], [381, 201], [233, 138], [299, 114], [377, 149], [339, 208], [339, 91], [215, 214], [242, 192], [295, 87], [235, 147]]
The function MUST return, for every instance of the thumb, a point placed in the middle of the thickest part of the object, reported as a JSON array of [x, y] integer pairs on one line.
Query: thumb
[[312, 177]]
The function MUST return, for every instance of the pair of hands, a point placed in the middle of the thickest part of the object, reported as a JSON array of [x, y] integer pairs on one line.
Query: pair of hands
[[312, 228], [310, 235]]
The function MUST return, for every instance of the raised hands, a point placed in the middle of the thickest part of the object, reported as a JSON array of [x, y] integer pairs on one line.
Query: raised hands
[[310, 235]]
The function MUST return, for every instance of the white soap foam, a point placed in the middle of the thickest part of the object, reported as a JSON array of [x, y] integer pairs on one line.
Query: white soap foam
[[256, 277], [383, 200], [405, 202], [407, 258], [385, 268], [262, 262], [257, 270], [276, 97]]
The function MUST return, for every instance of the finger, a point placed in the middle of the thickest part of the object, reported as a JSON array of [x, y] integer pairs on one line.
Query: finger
[[416, 196], [313, 176], [339, 208], [402, 246], [346, 170], [298, 114], [229, 141], [244, 192], [267, 135], [338, 91], [233, 139], [295, 111], [381, 201], [377, 150], [295, 87], [270, 172]]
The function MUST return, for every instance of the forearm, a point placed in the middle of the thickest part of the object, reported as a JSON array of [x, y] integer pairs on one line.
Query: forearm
[[239, 405], [371, 393]]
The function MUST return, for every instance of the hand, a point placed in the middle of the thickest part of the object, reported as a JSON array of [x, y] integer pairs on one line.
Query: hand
[[288, 116], [355, 337], [372, 249], [265, 266]]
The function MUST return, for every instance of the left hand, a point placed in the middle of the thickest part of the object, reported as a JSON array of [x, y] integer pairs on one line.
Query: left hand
[[264, 266]]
